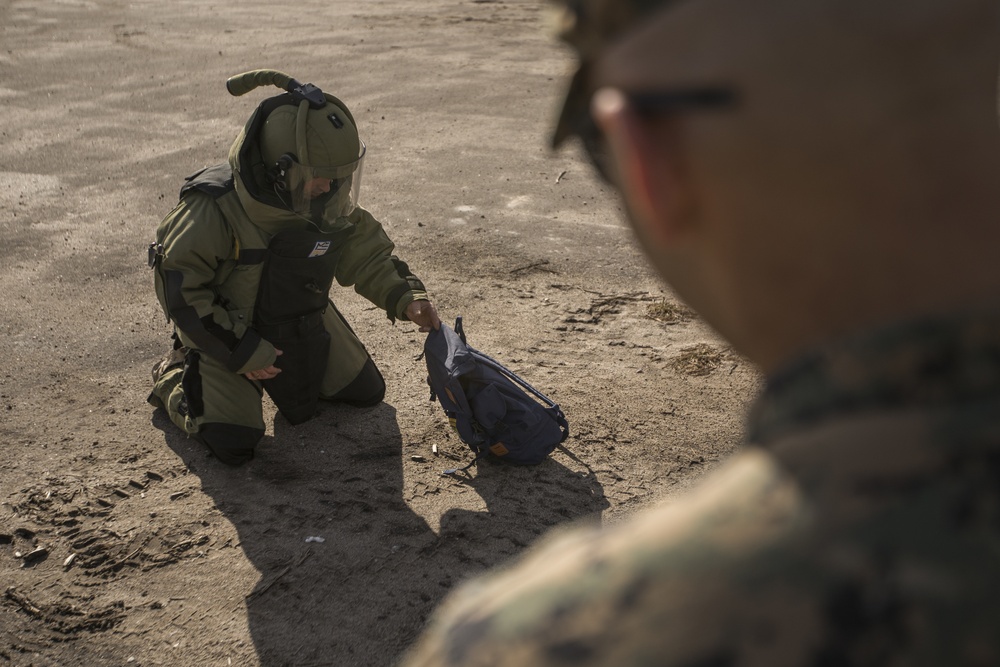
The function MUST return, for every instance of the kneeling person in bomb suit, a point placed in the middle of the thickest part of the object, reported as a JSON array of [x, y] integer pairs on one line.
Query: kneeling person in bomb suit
[[244, 263]]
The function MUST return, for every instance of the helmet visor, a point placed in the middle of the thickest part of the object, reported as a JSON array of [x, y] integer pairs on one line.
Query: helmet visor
[[334, 190]]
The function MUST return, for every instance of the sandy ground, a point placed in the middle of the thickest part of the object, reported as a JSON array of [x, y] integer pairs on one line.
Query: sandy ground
[[124, 543]]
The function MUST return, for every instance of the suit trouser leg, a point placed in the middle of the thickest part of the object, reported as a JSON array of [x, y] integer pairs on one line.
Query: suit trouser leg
[[351, 376], [220, 408]]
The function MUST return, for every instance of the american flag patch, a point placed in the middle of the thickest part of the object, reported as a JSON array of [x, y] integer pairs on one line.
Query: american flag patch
[[320, 248]]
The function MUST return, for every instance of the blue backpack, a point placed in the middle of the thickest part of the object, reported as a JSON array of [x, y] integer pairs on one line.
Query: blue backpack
[[493, 411]]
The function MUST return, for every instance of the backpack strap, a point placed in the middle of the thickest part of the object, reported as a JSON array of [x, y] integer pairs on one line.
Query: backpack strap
[[473, 462]]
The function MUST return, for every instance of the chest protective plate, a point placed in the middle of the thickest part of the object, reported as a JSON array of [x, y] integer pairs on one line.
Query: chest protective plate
[[298, 272]]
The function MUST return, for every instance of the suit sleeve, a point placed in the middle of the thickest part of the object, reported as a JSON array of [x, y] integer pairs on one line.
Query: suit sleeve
[[368, 263], [196, 244]]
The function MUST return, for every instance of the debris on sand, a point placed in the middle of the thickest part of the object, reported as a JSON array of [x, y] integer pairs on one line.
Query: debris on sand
[[699, 359], [669, 312]]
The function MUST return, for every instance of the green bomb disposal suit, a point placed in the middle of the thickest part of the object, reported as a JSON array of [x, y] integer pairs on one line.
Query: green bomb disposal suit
[[243, 268]]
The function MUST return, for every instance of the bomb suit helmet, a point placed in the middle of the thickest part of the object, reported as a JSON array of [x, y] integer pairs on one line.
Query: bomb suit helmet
[[309, 144], [313, 154]]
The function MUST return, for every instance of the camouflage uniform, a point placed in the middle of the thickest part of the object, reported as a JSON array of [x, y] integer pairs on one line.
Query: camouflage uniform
[[862, 527], [859, 526]]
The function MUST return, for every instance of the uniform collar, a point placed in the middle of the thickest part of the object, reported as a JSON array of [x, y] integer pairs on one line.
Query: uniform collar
[[930, 363]]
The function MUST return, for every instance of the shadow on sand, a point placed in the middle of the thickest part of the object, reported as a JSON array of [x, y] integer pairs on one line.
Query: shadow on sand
[[362, 594]]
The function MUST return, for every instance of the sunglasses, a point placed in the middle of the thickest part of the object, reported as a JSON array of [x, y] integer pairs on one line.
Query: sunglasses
[[648, 104]]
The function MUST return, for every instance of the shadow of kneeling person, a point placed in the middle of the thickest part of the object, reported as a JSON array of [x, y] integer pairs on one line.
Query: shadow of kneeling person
[[349, 572], [318, 511]]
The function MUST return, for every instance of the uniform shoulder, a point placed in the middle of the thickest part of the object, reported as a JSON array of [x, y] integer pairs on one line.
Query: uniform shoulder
[[215, 181]]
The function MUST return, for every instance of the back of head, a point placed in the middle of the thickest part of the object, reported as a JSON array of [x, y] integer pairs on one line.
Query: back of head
[[852, 182]]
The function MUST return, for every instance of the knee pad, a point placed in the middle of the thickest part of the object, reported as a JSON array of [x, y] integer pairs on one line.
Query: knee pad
[[231, 443]]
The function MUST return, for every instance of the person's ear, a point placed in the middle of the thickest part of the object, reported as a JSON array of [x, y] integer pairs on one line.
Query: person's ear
[[648, 168]]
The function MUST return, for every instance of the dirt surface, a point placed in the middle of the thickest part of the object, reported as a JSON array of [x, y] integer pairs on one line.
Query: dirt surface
[[124, 543]]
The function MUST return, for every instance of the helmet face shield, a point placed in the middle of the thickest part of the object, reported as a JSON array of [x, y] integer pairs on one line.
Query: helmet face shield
[[331, 191]]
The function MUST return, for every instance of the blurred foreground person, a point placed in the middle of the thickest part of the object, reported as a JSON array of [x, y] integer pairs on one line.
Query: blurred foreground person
[[244, 265], [821, 181]]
